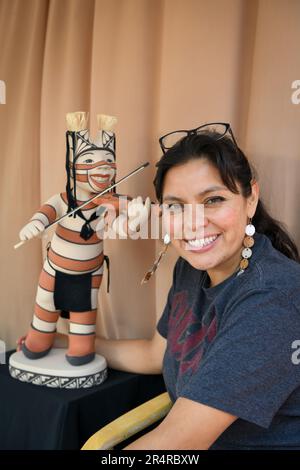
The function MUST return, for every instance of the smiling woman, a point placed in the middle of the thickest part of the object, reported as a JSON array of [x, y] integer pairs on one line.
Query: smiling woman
[[233, 310], [225, 339]]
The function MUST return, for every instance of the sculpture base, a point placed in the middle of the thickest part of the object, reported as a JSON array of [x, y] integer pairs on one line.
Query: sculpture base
[[55, 371]]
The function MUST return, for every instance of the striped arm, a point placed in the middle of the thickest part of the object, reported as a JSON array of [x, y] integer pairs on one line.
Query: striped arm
[[49, 211], [130, 423]]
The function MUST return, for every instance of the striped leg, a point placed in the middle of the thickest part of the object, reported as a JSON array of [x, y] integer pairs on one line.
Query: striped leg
[[40, 337], [83, 328], [82, 337]]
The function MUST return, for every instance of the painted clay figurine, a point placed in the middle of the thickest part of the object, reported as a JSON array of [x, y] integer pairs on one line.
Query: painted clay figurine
[[73, 268]]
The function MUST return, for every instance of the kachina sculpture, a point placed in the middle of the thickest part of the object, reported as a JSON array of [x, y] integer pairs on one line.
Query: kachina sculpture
[[73, 268]]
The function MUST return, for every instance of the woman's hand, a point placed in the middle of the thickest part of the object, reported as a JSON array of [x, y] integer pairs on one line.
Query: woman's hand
[[20, 341]]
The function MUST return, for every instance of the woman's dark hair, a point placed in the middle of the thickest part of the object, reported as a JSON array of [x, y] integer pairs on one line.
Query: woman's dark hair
[[234, 168]]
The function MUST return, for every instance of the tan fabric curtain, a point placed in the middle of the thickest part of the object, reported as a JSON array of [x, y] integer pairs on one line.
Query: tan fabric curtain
[[157, 65]]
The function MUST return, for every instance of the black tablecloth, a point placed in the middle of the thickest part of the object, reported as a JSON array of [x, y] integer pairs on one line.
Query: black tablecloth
[[38, 417]]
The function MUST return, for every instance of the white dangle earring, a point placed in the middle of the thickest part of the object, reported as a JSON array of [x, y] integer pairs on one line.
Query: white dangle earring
[[248, 243], [149, 274]]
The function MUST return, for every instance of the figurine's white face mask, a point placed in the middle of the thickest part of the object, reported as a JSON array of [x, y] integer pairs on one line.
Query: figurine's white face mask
[[95, 170], [91, 163]]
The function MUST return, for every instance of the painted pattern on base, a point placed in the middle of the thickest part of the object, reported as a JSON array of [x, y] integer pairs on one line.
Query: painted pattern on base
[[58, 382]]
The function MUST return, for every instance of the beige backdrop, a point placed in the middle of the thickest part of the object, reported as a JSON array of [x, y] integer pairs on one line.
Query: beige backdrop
[[157, 65]]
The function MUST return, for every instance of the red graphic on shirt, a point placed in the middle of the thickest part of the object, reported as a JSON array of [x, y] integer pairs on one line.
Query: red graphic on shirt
[[189, 333]]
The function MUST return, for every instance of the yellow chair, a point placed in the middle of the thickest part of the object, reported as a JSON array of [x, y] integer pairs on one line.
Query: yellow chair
[[130, 423]]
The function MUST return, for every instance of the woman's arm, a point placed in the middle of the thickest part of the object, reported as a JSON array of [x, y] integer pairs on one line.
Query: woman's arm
[[142, 356], [188, 426]]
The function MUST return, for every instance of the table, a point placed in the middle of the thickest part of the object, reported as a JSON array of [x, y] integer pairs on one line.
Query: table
[[35, 417]]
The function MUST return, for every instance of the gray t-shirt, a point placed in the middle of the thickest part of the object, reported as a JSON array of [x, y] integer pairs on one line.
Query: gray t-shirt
[[231, 347]]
